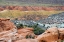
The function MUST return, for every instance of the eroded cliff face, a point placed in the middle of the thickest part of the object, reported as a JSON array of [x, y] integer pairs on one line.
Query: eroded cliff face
[[32, 8]]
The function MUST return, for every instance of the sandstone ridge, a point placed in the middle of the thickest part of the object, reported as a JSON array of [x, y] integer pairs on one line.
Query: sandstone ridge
[[32, 8]]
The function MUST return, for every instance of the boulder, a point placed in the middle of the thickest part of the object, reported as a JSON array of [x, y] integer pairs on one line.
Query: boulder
[[50, 35], [26, 31]]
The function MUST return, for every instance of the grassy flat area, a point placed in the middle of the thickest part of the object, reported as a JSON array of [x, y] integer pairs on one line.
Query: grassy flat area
[[17, 13]]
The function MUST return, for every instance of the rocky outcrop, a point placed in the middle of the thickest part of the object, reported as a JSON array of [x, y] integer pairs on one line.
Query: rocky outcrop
[[51, 35], [31, 8], [26, 31], [7, 29], [12, 34], [6, 24], [9, 32]]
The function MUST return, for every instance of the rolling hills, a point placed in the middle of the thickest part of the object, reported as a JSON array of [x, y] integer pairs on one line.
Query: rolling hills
[[32, 8], [33, 2], [40, 1]]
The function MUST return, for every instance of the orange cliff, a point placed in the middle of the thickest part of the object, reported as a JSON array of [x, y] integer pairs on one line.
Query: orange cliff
[[31, 8]]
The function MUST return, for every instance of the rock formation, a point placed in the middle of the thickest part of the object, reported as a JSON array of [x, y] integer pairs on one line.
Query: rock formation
[[26, 31], [6, 24], [31, 8], [50, 35], [9, 33]]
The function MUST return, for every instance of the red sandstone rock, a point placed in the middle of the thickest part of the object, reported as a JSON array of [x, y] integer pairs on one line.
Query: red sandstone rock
[[32, 8], [8, 33], [6, 24], [50, 35], [26, 31]]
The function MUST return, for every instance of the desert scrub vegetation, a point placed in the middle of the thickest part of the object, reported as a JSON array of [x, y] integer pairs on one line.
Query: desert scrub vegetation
[[17, 13], [37, 30], [19, 26]]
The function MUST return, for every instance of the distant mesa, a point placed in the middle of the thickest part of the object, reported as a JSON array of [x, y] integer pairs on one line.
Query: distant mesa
[[31, 8]]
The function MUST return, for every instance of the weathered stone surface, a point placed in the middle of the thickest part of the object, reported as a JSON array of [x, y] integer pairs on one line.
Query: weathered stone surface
[[26, 31], [6, 24], [50, 35], [9, 33]]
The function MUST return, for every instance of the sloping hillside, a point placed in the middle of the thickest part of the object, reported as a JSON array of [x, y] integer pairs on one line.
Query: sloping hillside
[[33, 2], [41, 1], [55, 18], [17, 13]]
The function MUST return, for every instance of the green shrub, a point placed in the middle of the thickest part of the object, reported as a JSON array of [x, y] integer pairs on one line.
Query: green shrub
[[20, 26], [38, 30]]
